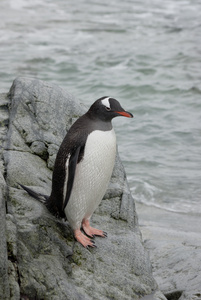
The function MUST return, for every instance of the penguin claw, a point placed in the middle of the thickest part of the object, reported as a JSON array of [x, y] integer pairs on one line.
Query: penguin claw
[[105, 234], [92, 236], [91, 246]]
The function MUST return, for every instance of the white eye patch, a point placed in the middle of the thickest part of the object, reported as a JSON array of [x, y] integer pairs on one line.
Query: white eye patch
[[106, 102]]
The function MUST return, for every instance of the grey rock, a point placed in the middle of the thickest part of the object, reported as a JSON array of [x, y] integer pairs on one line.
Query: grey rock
[[173, 240], [45, 262], [4, 290], [4, 284]]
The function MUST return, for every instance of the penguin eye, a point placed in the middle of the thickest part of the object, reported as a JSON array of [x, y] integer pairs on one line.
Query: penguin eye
[[107, 108]]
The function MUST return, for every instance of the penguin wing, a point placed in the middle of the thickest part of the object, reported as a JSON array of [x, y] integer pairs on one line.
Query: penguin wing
[[71, 174]]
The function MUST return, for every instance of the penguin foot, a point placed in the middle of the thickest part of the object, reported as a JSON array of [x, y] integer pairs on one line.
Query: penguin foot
[[83, 239], [90, 231]]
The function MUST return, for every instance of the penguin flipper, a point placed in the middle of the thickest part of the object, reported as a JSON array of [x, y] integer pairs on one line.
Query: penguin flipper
[[71, 174]]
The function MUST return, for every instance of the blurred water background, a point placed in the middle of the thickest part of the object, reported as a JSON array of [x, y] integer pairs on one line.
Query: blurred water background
[[146, 54]]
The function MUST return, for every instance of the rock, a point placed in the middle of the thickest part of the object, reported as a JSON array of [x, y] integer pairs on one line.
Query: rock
[[173, 240], [4, 290], [45, 262], [4, 284]]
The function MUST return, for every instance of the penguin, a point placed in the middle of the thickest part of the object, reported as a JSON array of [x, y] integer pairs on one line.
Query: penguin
[[83, 168]]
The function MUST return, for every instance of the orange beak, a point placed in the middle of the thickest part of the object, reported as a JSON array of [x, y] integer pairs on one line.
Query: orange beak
[[125, 114]]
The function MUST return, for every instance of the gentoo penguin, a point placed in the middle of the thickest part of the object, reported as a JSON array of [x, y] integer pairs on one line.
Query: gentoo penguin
[[83, 168]]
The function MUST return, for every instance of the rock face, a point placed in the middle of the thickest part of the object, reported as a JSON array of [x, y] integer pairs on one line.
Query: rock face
[[44, 261], [4, 284], [173, 240]]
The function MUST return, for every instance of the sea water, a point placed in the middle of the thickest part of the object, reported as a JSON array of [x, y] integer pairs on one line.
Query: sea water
[[146, 54]]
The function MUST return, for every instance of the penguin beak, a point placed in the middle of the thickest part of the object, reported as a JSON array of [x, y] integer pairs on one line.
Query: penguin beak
[[125, 114]]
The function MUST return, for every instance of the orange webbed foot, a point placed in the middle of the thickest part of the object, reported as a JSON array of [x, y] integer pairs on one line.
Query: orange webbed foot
[[83, 239], [90, 231]]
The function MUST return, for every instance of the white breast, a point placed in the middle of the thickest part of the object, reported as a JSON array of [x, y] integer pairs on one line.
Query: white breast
[[92, 176]]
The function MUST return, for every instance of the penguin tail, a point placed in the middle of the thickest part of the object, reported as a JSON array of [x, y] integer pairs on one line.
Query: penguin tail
[[40, 197], [47, 201]]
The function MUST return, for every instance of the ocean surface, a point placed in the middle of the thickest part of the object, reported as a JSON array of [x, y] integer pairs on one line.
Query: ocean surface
[[146, 54]]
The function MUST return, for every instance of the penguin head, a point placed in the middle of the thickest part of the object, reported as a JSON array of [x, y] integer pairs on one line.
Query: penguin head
[[107, 108]]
